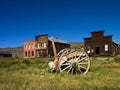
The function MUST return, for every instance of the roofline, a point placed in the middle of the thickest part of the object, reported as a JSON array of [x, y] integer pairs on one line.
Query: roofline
[[58, 40], [115, 42], [29, 41], [108, 36], [41, 35], [97, 31], [87, 38]]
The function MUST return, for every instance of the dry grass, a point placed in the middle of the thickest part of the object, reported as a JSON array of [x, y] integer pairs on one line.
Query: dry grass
[[25, 75]]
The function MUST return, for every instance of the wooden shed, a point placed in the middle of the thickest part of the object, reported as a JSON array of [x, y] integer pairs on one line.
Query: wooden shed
[[5, 54]]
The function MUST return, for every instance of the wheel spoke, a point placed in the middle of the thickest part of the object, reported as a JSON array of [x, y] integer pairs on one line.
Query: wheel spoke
[[65, 64], [75, 71], [80, 56], [65, 68], [84, 58], [72, 70], [69, 69], [83, 67], [79, 69]]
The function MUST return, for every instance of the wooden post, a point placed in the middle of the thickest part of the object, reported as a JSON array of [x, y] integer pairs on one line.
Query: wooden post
[[55, 56]]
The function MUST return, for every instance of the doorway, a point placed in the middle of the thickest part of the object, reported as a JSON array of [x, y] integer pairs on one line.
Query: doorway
[[97, 49]]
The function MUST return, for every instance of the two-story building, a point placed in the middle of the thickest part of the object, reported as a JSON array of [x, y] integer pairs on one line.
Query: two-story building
[[98, 44], [42, 46]]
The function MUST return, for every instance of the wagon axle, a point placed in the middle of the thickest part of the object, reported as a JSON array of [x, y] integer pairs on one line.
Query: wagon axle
[[74, 64]]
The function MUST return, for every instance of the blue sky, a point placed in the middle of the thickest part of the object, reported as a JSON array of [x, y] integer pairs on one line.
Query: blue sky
[[70, 20]]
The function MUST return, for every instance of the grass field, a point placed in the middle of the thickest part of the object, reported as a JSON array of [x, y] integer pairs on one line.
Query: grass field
[[34, 74]]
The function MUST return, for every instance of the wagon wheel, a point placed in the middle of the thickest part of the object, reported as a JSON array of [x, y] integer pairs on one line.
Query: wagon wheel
[[74, 61], [61, 52]]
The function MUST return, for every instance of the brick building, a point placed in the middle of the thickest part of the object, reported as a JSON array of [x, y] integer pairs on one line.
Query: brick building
[[42, 46], [29, 49], [98, 44]]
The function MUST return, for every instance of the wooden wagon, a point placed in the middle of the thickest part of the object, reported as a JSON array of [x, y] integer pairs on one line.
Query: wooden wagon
[[70, 61]]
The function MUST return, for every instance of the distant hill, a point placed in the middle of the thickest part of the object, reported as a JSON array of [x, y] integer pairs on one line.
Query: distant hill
[[18, 51], [75, 45]]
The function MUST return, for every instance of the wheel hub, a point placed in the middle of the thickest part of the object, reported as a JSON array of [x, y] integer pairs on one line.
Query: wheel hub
[[74, 64]]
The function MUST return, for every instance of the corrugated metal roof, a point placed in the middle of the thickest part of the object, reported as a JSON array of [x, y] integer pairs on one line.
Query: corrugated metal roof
[[58, 40], [116, 44]]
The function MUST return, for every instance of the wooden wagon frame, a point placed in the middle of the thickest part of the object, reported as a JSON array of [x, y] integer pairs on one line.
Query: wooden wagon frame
[[70, 61]]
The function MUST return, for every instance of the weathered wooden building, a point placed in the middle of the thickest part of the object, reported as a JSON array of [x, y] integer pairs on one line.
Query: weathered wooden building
[[42, 46], [98, 44], [5, 54]]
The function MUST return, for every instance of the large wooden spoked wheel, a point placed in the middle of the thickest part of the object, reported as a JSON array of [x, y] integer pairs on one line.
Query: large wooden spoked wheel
[[74, 61]]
